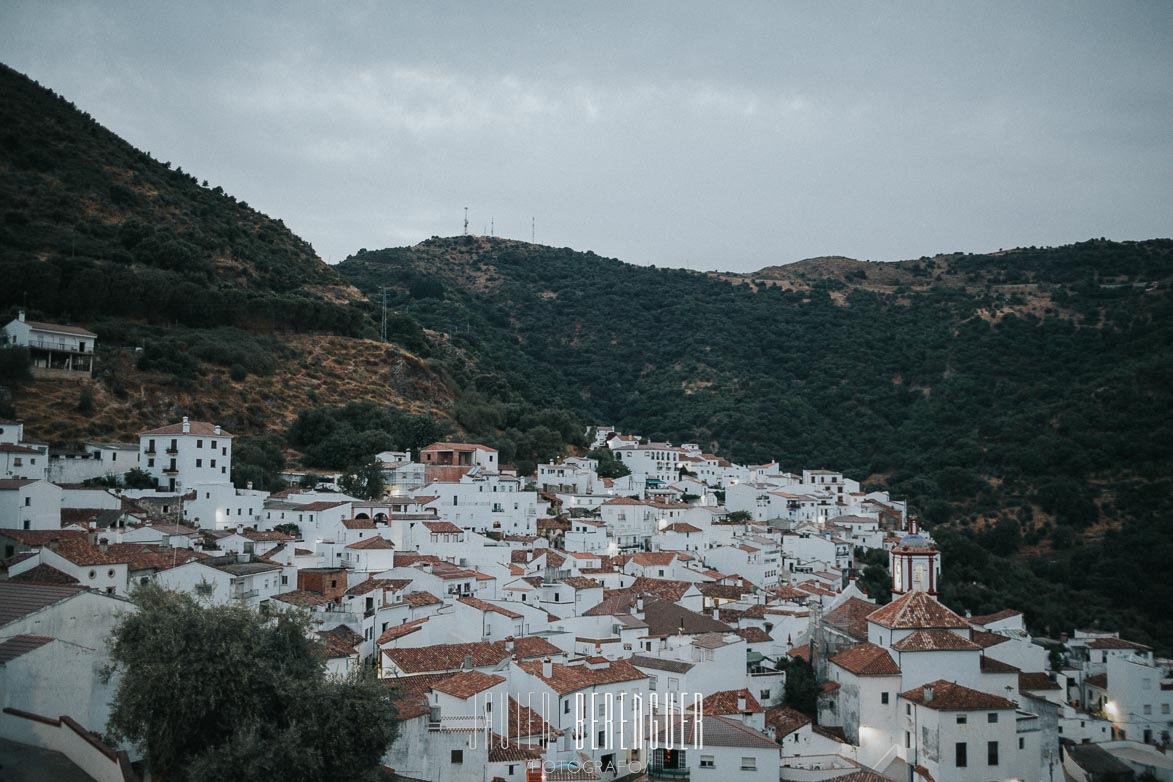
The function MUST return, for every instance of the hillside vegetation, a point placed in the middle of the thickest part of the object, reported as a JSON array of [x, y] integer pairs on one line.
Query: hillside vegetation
[[92, 227], [1019, 400]]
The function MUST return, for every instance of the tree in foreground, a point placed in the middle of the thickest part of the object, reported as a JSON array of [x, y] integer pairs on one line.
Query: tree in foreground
[[222, 692]]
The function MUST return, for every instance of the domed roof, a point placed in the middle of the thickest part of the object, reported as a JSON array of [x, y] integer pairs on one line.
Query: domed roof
[[916, 542]]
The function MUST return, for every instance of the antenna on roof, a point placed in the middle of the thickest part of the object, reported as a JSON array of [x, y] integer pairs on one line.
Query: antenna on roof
[[466, 221]]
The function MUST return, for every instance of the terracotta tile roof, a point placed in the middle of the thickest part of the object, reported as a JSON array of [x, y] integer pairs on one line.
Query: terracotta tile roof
[[525, 722], [12, 484], [665, 618], [916, 610], [934, 641], [445, 657], [991, 665], [13, 448], [565, 679], [358, 523], [662, 588], [950, 696], [867, 660], [467, 447], [503, 750], [43, 574], [59, 328], [528, 647], [41, 537], [418, 599], [624, 501], [265, 536], [1036, 681], [18, 645], [785, 720], [661, 664], [754, 635], [20, 600], [1098, 680], [411, 693], [578, 582], [787, 592], [863, 776], [371, 584], [484, 605], [986, 639], [722, 591], [145, 556], [398, 631], [445, 527], [850, 617], [1116, 643], [81, 553], [466, 684], [201, 428], [986, 619], [409, 558], [725, 702], [377, 543], [302, 599]]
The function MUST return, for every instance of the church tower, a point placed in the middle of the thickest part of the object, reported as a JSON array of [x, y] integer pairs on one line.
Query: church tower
[[915, 563]]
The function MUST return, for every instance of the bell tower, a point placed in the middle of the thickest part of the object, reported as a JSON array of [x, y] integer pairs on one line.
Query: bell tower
[[915, 563]]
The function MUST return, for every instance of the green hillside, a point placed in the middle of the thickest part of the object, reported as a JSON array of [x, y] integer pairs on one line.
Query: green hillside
[[91, 227], [1021, 401]]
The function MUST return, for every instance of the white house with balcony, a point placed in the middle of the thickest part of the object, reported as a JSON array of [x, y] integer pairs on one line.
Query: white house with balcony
[[179, 456], [56, 351]]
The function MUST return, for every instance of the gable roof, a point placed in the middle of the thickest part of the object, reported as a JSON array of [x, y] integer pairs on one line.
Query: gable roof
[[18, 645], [376, 543], [466, 684], [726, 702], [716, 731], [867, 660], [916, 610], [665, 618], [59, 328], [950, 696], [566, 679], [486, 606], [446, 657], [201, 428], [934, 641], [43, 574], [851, 617], [785, 720], [19, 600]]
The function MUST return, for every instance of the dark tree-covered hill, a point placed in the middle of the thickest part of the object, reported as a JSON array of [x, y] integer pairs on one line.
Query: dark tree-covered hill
[[91, 227], [1020, 400]]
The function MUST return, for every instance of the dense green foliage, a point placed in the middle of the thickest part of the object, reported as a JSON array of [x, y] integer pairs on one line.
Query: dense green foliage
[[223, 692], [1022, 399], [91, 227]]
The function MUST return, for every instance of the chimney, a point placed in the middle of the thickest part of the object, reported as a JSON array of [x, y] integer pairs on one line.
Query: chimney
[[239, 529], [772, 732], [716, 614], [741, 704], [639, 604], [248, 485], [968, 614], [468, 662], [103, 545], [20, 315], [509, 644], [186, 425], [547, 668], [1063, 638], [217, 430], [928, 690]]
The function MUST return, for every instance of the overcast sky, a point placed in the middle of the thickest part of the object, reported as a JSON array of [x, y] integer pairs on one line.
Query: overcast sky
[[709, 135]]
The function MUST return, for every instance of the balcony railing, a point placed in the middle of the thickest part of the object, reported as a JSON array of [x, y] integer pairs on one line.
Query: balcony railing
[[46, 344], [245, 595]]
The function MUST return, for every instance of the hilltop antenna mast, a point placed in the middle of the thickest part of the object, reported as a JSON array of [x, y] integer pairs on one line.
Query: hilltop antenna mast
[[383, 322], [492, 226], [532, 230], [466, 221]]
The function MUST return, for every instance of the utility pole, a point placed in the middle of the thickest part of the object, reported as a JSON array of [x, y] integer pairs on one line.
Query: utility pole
[[466, 221]]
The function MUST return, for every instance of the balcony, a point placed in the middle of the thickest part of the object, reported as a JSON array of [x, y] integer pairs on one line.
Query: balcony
[[172, 451], [242, 594], [171, 471], [45, 344], [150, 452]]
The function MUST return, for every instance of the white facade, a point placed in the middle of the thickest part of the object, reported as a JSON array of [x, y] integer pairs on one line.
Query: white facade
[[182, 455], [29, 504]]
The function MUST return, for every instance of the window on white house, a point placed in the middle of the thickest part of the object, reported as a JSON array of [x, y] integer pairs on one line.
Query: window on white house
[[707, 761], [749, 764]]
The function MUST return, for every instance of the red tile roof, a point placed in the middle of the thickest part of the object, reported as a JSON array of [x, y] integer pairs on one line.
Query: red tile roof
[[466, 684], [418, 599], [565, 679], [1115, 643], [398, 631], [785, 720], [950, 696], [43, 574], [445, 657], [484, 605], [986, 619], [754, 635], [532, 646], [302, 599], [376, 543], [867, 660], [985, 639], [991, 665], [850, 617], [59, 328], [19, 645], [726, 702], [916, 610], [1035, 681], [934, 641], [197, 428], [444, 527]]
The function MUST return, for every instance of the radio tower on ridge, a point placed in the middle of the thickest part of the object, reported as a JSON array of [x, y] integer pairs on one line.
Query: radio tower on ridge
[[466, 221]]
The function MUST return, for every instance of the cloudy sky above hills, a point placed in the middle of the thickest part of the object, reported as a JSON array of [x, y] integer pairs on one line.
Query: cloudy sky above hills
[[708, 135]]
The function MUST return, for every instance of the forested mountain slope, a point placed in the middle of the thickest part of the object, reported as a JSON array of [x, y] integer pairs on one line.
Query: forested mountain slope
[[1021, 400]]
